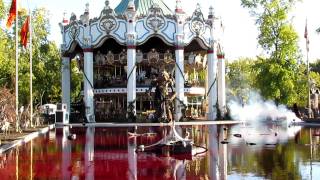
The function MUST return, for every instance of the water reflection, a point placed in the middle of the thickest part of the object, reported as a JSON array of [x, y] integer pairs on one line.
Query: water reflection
[[132, 158], [89, 153], [109, 153], [217, 153], [66, 154]]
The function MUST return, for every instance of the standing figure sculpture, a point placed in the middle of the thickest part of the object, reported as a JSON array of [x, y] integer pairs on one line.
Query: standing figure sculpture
[[163, 101]]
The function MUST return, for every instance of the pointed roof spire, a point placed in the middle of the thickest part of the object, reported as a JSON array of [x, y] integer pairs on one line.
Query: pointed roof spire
[[131, 6], [142, 6], [179, 6], [65, 20], [87, 8], [211, 13]]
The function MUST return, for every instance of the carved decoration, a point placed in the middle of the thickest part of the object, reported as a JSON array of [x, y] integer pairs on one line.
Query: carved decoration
[[73, 18], [99, 58], [197, 22], [191, 58], [108, 21], [123, 57], [153, 56], [108, 24], [74, 31], [110, 58], [155, 20], [139, 56], [168, 57]]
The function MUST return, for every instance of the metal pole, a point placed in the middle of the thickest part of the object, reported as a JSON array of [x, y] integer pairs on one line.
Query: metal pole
[[31, 73], [308, 76], [17, 71]]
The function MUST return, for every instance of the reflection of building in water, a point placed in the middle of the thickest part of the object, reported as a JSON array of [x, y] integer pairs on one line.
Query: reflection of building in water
[[218, 162], [132, 158], [89, 153], [123, 49], [66, 154]]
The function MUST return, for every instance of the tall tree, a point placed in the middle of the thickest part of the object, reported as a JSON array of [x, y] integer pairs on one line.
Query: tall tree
[[241, 78], [46, 61], [2, 10], [278, 71]]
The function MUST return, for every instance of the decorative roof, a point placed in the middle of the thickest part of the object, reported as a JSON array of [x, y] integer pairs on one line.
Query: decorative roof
[[143, 6]]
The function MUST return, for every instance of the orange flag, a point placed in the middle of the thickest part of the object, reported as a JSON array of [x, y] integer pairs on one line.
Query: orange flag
[[24, 32], [12, 13]]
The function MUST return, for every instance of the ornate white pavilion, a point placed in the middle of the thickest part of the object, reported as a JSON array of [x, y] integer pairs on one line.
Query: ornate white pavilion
[[123, 49]]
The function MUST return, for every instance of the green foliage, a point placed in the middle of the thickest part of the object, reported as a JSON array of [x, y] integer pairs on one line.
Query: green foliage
[[315, 78], [2, 10], [279, 76], [77, 78], [315, 66], [45, 56], [241, 78]]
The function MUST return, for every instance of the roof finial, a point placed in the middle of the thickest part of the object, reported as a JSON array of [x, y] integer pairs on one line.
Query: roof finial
[[87, 8], [198, 7], [211, 13], [65, 20], [107, 3], [131, 6], [179, 6]]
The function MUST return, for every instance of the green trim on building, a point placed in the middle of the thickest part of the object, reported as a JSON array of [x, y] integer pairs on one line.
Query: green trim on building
[[143, 6]]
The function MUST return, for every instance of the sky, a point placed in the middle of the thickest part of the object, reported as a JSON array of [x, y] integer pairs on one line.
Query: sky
[[240, 34]]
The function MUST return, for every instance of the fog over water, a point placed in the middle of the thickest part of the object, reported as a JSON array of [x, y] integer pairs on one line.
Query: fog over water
[[257, 110]]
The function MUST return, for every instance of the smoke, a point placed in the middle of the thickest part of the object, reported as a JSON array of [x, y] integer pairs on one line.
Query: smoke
[[257, 110]]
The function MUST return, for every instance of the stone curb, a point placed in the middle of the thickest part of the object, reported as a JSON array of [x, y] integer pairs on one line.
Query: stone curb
[[227, 122], [25, 139]]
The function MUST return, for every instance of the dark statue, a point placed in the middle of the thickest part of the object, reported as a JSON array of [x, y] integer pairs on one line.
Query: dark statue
[[163, 101]]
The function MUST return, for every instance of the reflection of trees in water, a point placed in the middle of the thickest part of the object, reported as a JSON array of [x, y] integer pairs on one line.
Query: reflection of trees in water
[[282, 161]]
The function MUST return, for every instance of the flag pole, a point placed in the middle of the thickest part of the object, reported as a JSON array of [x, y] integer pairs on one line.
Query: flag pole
[[308, 76], [306, 36], [17, 72], [31, 73]]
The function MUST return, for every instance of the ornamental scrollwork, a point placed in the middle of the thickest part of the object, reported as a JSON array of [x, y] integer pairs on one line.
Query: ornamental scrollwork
[[108, 21], [155, 20], [197, 26], [197, 22], [110, 58], [139, 56], [108, 24], [153, 56], [168, 58], [74, 31]]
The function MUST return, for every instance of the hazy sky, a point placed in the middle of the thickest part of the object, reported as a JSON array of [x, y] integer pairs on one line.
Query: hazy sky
[[240, 37]]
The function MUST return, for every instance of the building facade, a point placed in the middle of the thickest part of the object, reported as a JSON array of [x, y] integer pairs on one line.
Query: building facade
[[124, 49]]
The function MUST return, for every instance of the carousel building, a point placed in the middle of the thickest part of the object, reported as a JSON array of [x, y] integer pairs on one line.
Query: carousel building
[[123, 49]]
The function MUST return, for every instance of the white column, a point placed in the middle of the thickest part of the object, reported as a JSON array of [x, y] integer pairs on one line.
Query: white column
[[212, 91], [213, 152], [223, 154], [179, 81], [221, 84], [131, 76], [89, 153], [131, 55], [132, 158], [66, 80], [88, 84]]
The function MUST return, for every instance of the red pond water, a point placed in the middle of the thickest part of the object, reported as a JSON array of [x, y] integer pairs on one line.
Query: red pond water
[[110, 153]]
